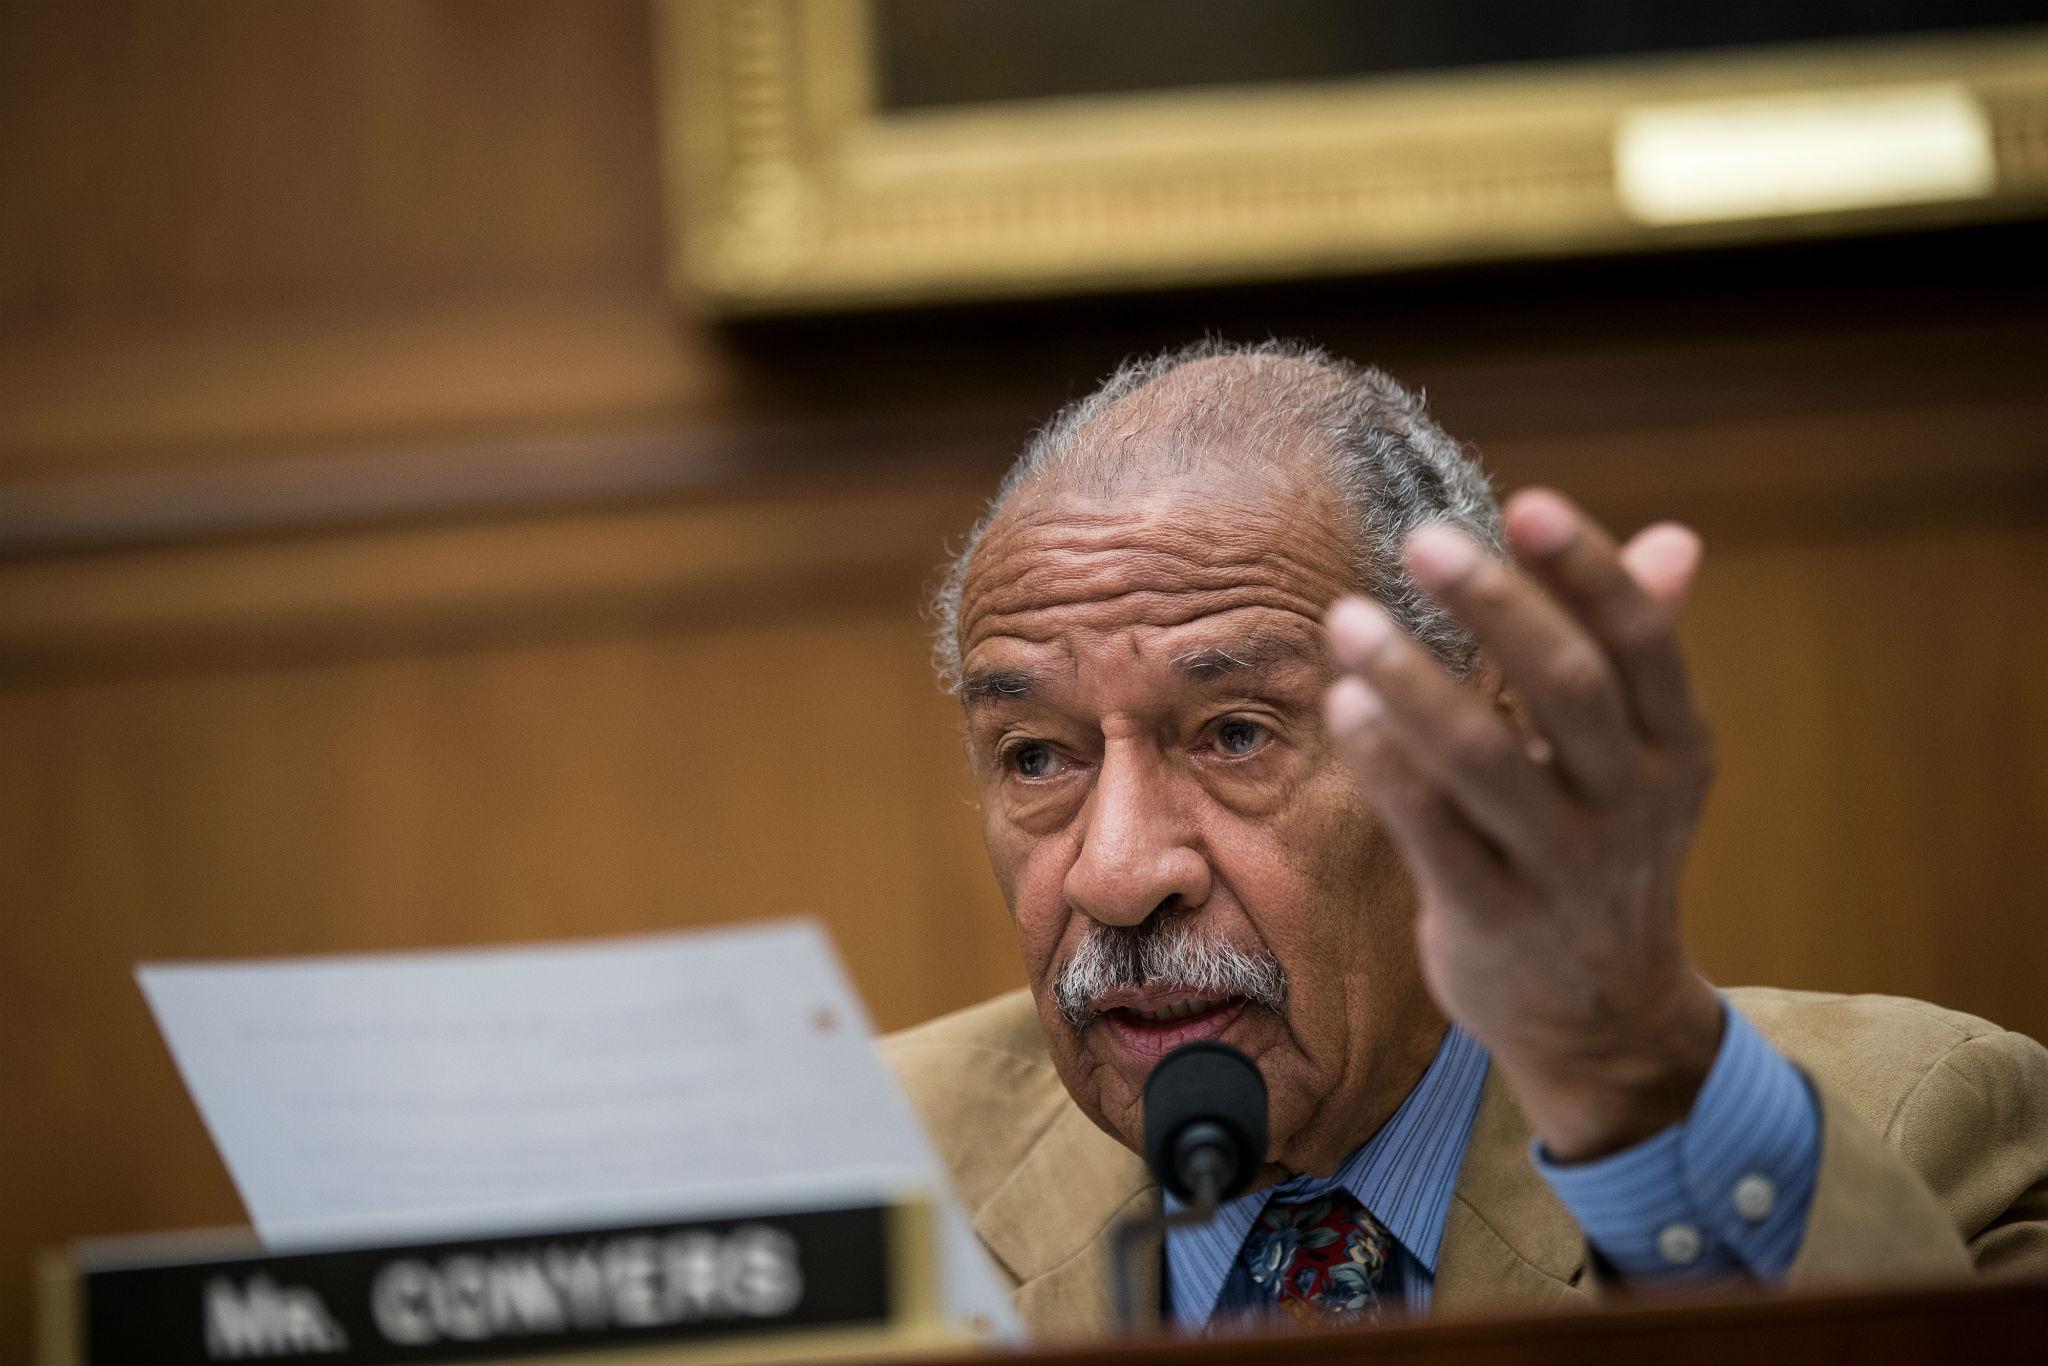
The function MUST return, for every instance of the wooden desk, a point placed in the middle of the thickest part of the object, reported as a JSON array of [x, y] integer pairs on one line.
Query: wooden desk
[[1980, 1323]]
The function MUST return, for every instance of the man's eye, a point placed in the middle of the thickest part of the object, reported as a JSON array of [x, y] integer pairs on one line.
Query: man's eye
[[1239, 738], [1033, 761]]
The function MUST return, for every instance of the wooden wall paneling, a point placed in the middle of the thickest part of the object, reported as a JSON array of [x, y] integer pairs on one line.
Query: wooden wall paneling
[[193, 158], [1881, 704], [722, 556], [590, 784], [233, 221]]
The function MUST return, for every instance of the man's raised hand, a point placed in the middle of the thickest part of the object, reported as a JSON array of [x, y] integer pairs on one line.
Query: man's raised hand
[[1546, 835]]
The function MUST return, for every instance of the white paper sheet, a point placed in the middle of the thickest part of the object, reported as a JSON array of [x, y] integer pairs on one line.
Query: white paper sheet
[[406, 1095]]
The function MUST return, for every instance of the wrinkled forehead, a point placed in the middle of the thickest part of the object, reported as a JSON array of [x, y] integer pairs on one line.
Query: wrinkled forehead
[[1067, 569]]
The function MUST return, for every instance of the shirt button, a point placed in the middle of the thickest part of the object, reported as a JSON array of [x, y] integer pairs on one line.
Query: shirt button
[[1754, 1196], [1679, 1244]]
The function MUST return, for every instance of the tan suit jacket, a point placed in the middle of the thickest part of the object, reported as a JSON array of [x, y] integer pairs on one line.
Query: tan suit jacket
[[1934, 1160]]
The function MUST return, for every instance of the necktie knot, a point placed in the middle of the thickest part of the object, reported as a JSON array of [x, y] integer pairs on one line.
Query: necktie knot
[[1321, 1260]]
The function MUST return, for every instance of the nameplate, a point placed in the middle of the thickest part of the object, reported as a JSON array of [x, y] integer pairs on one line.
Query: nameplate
[[701, 1281]]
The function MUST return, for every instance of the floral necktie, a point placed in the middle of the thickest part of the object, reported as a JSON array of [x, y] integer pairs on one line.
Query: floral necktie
[[1322, 1260]]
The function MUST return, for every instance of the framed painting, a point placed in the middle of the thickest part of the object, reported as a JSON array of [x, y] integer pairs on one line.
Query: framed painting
[[830, 154]]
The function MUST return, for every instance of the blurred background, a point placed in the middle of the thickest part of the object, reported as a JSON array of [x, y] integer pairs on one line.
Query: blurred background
[[398, 547]]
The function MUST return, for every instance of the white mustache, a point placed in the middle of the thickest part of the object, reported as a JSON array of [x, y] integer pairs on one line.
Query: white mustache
[[1162, 951]]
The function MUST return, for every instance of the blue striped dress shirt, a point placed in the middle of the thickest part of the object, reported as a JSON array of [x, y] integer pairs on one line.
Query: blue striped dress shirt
[[1723, 1193], [1404, 1174]]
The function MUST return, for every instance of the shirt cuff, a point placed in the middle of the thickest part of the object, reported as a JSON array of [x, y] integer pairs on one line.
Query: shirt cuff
[[1724, 1192]]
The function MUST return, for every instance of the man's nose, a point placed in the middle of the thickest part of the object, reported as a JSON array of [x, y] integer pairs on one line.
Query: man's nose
[[1138, 849]]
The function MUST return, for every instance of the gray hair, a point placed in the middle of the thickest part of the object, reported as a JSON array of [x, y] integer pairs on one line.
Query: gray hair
[[1381, 452]]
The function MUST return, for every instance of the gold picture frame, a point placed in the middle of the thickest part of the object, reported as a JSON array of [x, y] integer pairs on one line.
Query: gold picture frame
[[790, 191]]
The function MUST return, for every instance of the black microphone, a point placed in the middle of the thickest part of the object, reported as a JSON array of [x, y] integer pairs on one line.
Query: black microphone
[[1205, 1139], [1205, 1123]]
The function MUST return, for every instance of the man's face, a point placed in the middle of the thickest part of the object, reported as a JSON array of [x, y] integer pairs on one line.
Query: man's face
[[1143, 677]]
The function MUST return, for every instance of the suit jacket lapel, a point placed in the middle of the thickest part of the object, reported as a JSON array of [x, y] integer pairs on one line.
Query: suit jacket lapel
[[1052, 1225], [1508, 1242]]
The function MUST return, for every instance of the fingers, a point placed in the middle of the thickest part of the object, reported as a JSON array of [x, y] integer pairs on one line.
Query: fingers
[[1561, 674], [1663, 560], [1633, 620], [1401, 697], [1439, 845], [1587, 641]]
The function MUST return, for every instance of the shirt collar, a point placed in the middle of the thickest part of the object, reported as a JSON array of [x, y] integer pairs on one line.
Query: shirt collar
[[1404, 1175]]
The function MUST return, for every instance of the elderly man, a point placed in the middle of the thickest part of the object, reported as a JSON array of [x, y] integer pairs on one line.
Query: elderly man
[[1273, 747]]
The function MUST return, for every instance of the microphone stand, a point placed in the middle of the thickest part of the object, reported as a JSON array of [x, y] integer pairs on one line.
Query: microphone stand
[[1205, 1136], [1206, 1161]]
